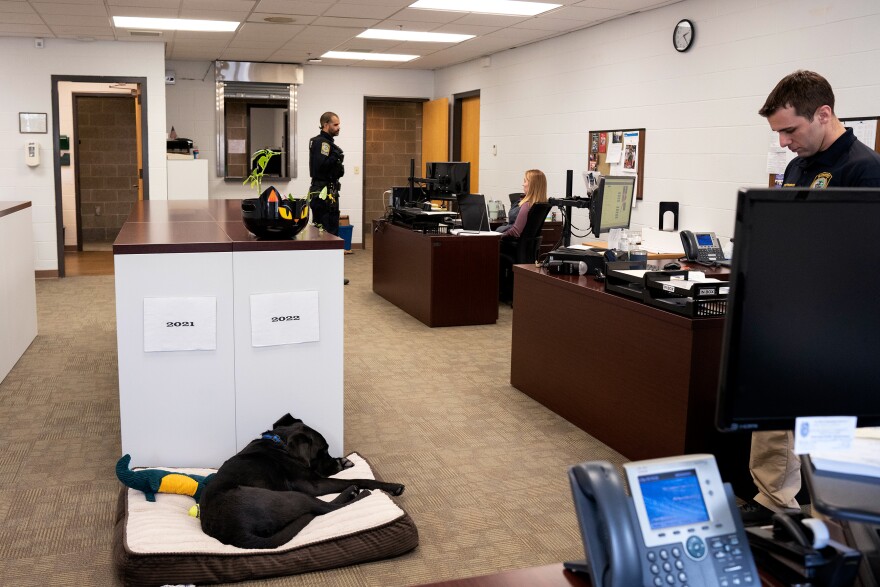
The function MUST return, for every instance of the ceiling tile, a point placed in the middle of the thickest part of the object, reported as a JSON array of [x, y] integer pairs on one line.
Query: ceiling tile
[[17, 18], [297, 18], [355, 23], [152, 3], [71, 9], [313, 7], [143, 11], [370, 11], [24, 30], [7, 7]]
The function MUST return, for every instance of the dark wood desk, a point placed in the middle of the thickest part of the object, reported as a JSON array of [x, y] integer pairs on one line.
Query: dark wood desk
[[442, 280], [640, 379]]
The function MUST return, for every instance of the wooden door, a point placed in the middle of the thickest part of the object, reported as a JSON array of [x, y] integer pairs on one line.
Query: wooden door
[[435, 132], [139, 137], [470, 138]]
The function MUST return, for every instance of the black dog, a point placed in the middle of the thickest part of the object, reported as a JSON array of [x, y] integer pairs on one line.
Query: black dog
[[264, 495]]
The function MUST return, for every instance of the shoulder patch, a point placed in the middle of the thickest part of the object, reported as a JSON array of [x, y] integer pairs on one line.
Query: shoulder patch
[[325, 148], [821, 181]]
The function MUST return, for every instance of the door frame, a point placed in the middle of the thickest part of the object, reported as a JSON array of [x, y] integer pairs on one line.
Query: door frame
[[75, 149], [56, 144], [456, 121]]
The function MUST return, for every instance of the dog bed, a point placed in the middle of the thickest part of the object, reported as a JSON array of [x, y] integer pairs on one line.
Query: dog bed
[[159, 543]]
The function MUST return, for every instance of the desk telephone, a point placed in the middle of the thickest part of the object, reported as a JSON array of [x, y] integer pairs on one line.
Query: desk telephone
[[702, 247], [680, 528]]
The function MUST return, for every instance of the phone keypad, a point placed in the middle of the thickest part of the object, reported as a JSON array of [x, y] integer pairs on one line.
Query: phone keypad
[[669, 568]]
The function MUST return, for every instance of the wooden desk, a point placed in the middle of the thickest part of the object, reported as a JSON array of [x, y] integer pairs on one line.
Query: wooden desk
[[640, 379], [442, 280]]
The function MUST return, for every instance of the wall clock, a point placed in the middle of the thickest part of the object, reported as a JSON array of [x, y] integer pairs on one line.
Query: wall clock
[[683, 35]]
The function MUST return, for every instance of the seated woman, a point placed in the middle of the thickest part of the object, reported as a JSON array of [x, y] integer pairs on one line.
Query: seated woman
[[535, 188], [511, 215]]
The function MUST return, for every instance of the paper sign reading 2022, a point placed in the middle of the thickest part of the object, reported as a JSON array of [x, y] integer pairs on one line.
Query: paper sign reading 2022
[[180, 324], [284, 318]]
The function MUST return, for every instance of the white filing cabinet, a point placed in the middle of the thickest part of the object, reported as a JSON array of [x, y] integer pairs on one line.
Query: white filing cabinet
[[187, 179]]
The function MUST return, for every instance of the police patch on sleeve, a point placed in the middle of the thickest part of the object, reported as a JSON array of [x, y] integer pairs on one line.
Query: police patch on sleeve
[[821, 181], [325, 149]]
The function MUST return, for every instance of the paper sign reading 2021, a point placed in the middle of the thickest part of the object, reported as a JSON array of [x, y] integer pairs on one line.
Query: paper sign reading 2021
[[180, 324], [284, 318]]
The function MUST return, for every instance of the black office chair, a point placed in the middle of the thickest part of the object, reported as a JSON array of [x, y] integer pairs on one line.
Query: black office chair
[[523, 249], [515, 198]]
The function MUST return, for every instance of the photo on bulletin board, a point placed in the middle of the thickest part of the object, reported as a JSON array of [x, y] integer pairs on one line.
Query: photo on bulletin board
[[617, 136], [594, 162], [594, 142], [603, 138]]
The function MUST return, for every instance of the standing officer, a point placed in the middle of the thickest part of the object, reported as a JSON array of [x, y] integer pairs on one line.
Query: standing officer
[[325, 167]]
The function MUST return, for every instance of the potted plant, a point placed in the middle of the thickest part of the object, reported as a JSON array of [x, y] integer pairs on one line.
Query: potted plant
[[271, 216]]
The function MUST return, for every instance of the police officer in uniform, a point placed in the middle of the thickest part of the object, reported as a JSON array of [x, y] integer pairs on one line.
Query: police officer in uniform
[[325, 168], [801, 109]]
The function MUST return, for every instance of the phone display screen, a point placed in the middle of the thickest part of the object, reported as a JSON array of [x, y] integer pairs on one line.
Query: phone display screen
[[704, 239], [673, 499]]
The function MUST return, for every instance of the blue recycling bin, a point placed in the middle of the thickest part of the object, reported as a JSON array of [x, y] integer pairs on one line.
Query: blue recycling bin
[[345, 234]]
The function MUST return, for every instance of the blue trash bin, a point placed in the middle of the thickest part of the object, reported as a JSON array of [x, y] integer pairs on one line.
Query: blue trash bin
[[345, 234]]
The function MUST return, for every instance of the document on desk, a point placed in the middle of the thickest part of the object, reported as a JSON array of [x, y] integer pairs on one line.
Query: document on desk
[[862, 458]]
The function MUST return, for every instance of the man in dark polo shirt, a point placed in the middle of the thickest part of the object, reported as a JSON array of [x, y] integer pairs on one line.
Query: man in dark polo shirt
[[801, 109]]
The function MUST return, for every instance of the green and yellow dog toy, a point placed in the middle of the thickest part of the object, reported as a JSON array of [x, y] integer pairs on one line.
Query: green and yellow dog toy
[[153, 481]]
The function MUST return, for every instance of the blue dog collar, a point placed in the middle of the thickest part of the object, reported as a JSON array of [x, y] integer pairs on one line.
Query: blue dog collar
[[273, 437]]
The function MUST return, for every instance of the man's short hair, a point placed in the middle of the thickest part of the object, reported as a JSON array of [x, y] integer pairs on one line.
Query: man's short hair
[[326, 118], [805, 91]]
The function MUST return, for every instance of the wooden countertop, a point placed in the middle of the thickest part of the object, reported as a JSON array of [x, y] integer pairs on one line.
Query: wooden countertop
[[204, 226], [7, 208]]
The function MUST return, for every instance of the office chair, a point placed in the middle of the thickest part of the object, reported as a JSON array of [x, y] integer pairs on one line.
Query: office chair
[[523, 249]]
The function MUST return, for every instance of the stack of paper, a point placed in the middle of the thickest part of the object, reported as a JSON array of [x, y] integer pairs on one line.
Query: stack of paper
[[863, 458]]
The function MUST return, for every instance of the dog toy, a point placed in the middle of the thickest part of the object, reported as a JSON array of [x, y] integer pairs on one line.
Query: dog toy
[[153, 481]]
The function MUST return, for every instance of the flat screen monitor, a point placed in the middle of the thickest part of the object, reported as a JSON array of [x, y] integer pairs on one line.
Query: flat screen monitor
[[803, 322], [611, 203], [453, 177], [473, 211]]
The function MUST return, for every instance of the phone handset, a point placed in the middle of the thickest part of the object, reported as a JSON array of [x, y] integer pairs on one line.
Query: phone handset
[[701, 247], [605, 517]]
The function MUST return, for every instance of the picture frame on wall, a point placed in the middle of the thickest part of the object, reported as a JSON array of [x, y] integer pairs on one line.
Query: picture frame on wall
[[32, 123]]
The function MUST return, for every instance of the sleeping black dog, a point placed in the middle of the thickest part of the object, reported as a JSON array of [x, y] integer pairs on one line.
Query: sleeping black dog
[[264, 495]]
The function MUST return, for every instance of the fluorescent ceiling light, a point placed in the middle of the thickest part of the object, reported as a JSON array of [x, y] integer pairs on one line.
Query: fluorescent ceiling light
[[414, 36], [174, 24], [368, 56], [509, 7]]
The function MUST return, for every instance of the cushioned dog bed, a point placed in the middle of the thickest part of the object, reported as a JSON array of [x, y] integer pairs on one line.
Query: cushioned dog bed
[[158, 543]]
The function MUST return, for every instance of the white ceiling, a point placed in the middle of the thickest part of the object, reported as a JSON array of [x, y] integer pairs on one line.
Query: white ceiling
[[317, 26]]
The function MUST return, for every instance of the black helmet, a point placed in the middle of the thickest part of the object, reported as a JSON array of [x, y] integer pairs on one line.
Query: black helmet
[[272, 217]]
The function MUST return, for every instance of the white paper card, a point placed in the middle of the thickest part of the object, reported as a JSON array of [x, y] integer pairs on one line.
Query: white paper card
[[816, 434], [284, 318], [180, 324]]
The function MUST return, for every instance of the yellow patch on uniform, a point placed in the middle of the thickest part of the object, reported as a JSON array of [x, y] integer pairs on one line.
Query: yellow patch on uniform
[[180, 484], [821, 181], [325, 149]]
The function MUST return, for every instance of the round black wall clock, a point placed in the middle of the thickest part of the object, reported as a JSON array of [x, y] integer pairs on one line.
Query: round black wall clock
[[683, 35]]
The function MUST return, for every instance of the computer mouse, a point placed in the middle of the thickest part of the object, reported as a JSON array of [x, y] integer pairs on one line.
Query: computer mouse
[[672, 267]]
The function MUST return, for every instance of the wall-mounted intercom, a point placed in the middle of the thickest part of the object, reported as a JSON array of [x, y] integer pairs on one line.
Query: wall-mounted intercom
[[32, 153]]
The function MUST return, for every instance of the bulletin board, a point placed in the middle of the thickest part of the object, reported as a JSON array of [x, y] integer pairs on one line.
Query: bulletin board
[[866, 130], [619, 152]]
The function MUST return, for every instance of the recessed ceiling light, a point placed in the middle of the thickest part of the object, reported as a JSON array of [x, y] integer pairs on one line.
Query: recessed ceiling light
[[508, 7], [174, 24], [359, 56], [414, 36]]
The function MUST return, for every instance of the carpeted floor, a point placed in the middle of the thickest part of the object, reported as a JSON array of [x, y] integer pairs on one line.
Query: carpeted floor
[[484, 465]]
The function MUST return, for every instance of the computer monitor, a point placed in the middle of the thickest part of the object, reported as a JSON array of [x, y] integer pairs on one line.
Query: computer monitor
[[473, 211], [802, 323], [611, 203], [453, 177]]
